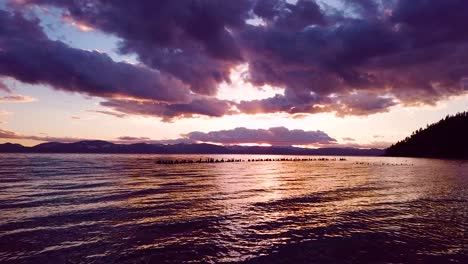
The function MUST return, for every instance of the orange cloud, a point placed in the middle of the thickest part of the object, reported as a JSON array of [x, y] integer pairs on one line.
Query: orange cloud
[[16, 98]]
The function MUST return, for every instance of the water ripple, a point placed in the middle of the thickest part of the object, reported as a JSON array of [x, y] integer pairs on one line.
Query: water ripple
[[129, 209]]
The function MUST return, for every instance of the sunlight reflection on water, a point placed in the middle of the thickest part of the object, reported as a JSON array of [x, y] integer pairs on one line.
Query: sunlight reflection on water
[[127, 208]]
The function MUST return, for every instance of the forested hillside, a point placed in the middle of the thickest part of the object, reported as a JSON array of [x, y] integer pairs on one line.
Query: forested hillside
[[447, 138]]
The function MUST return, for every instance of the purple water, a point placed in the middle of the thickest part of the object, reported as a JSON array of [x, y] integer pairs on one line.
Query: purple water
[[129, 209]]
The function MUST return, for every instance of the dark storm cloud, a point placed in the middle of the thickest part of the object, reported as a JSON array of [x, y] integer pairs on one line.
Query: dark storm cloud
[[363, 59], [27, 55], [284, 15], [388, 49], [198, 106], [278, 136], [430, 22], [365, 8], [188, 39]]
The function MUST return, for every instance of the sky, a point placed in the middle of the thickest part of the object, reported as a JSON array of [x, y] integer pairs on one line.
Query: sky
[[356, 73]]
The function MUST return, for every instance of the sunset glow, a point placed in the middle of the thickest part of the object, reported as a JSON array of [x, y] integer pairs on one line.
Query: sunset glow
[[258, 69], [233, 131]]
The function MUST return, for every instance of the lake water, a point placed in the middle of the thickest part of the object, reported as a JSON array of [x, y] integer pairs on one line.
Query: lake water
[[129, 209]]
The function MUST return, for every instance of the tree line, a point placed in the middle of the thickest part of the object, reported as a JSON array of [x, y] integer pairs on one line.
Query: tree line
[[447, 138]]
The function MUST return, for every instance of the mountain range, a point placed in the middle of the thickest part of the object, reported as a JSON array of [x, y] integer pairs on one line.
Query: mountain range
[[98, 146]]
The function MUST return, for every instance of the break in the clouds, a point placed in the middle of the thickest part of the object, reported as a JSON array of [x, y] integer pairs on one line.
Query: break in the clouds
[[276, 136], [363, 57]]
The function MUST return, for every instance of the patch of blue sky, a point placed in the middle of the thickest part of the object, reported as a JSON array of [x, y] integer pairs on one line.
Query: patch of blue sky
[[57, 28]]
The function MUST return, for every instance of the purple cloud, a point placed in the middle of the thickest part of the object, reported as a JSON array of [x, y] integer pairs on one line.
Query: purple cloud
[[286, 16], [357, 103], [277, 136], [198, 106], [386, 50], [190, 40], [360, 60], [29, 56]]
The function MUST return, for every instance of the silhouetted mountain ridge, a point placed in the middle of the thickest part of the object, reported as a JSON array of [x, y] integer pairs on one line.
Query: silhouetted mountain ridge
[[97, 146], [447, 138]]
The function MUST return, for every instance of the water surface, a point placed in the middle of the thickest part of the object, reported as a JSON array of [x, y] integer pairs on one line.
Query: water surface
[[129, 209]]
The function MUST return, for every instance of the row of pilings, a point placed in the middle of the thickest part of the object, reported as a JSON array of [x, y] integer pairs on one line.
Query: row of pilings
[[384, 164], [212, 160]]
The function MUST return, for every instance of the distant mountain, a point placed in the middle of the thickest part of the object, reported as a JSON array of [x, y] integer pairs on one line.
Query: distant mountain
[[447, 138], [142, 148], [9, 147]]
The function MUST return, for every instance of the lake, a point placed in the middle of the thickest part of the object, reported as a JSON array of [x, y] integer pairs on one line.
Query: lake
[[129, 209]]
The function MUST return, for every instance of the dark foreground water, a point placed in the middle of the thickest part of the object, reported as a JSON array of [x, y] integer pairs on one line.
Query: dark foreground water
[[128, 209]]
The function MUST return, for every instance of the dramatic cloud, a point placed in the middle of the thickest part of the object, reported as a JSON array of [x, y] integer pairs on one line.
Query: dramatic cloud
[[190, 40], [16, 98], [27, 55], [362, 104], [200, 106], [358, 59], [283, 15], [277, 136], [386, 51], [356, 103]]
